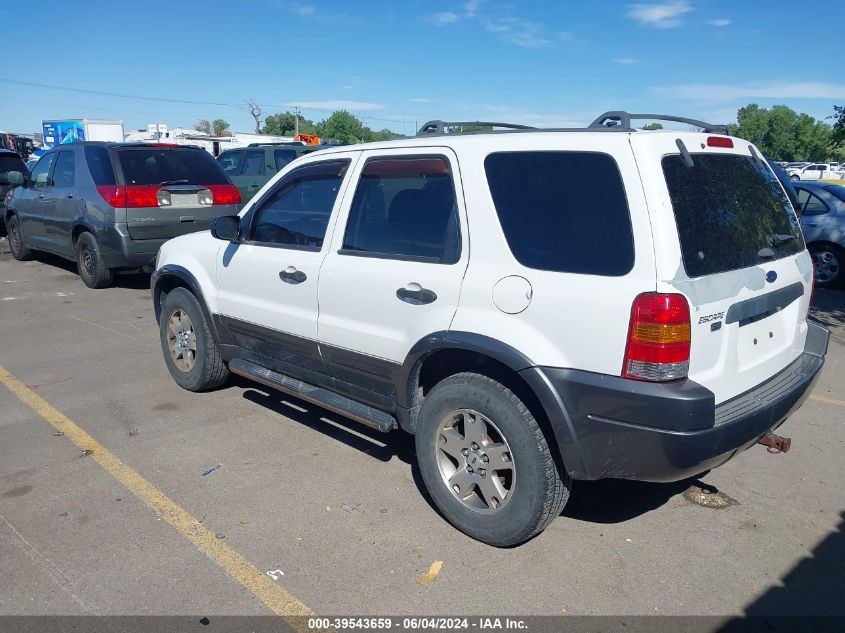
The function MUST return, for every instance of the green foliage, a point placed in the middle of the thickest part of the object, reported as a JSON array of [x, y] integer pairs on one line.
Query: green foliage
[[218, 126], [203, 125], [341, 125], [837, 137], [653, 126], [284, 124], [783, 134]]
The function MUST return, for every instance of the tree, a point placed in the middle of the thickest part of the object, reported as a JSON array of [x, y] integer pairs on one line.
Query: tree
[[783, 134], [652, 126], [284, 124], [256, 113], [203, 126], [219, 126], [837, 137], [345, 127]]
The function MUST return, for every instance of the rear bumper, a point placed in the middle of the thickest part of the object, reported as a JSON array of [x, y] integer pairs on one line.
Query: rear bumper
[[119, 250], [667, 432]]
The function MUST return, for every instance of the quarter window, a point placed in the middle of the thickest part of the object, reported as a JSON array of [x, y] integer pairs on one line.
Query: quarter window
[[99, 164], [563, 211], [64, 175], [811, 204], [296, 213], [405, 208]]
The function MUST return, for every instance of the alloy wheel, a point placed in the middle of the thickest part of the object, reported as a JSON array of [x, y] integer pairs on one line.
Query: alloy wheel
[[475, 461], [827, 266], [181, 340]]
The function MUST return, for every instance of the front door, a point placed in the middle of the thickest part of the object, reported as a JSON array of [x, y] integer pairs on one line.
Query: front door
[[62, 208], [33, 200], [393, 274], [268, 283]]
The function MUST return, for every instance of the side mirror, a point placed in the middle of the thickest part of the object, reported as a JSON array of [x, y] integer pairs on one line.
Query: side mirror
[[15, 178], [226, 227]]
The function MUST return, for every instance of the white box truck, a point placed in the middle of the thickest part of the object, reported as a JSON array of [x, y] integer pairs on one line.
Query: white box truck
[[61, 131]]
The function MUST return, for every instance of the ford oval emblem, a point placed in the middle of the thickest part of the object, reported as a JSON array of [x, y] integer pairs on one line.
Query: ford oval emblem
[[771, 276]]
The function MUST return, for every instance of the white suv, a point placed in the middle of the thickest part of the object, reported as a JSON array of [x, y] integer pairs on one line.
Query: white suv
[[536, 306]]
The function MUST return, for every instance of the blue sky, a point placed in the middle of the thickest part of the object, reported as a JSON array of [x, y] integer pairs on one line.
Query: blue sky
[[541, 63]]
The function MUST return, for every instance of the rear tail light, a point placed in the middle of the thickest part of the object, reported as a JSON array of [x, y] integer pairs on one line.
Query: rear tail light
[[719, 141], [224, 194], [658, 347], [130, 196]]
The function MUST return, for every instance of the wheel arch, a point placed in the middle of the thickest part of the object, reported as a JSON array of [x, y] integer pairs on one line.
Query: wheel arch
[[443, 354], [168, 278]]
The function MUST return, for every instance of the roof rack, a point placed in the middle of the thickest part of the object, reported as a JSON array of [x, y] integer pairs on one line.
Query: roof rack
[[439, 127], [621, 120]]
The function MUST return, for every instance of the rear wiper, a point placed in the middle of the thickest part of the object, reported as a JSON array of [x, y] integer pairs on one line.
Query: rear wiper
[[780, 240], [174, 182]]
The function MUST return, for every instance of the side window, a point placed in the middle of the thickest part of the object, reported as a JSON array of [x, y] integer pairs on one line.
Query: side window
[[815, 206], [231, 162], [41, 172], [283, 157], [64, 175], [99, 164], [297, 211], [405, 208], [563, 211], [253, 163]]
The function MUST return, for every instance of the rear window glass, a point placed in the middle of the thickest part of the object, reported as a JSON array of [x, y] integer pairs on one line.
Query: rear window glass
[[156, 165], [10, 163], [99, 164], [563, 211], [837, 190], [730, 212]]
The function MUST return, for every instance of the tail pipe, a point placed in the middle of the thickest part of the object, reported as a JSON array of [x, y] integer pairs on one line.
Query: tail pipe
[[775, 443]]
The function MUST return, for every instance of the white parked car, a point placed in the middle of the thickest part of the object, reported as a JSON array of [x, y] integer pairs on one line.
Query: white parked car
[[817, 171], [536, 306]]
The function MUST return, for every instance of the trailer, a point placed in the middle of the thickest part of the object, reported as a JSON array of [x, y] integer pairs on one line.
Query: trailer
[[61, 131]]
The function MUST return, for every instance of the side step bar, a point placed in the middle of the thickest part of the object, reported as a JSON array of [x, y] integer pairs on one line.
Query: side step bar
[[375, 419]]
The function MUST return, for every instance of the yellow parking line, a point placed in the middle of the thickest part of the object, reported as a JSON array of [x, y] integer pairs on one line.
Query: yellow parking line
[[248, 575], [841, 403]]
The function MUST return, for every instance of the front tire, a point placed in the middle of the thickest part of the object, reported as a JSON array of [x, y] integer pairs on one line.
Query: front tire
[[17, 247], [486, 463], [89, 262], [189, 349], [828, 260]]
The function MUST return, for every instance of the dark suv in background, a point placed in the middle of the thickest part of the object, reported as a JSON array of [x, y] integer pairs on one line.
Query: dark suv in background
[[9, 161], [109, 206], [251, 167]]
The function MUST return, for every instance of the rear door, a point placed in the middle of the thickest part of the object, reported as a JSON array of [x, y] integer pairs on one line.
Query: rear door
[[727, 238], [172, 190], [253, 174]]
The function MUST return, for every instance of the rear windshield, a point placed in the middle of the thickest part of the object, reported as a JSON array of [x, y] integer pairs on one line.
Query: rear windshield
[[10, 163], [731, 213], [157, 165]]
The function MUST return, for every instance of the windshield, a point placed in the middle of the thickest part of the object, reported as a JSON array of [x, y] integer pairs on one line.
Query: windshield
[[157, 165], [730, 213]]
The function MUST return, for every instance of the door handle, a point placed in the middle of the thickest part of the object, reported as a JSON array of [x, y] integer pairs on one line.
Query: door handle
[[291, 275], [415, 294], [70, 195]]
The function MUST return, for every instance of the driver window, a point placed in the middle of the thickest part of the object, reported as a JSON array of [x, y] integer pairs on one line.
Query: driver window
[[40, 176], [296, 213]]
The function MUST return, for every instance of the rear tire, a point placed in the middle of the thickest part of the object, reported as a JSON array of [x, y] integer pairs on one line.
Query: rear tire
[[486, 463], [828, 260], [189, 350], [89, 262], [16, 245]]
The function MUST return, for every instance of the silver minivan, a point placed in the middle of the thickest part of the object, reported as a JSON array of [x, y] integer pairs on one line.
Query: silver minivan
[[110, 206]]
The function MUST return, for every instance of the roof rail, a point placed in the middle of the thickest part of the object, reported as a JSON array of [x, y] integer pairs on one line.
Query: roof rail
[[622, 120], [439, 127]]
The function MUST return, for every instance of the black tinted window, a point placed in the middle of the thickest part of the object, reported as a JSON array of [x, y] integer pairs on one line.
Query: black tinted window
[[231, 162], [99, 165], [283, 157], [731, 213], [405, 207], [297, 211], [11, 163], [155, 165], [253, 163], [64, 175], [563, 211]]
